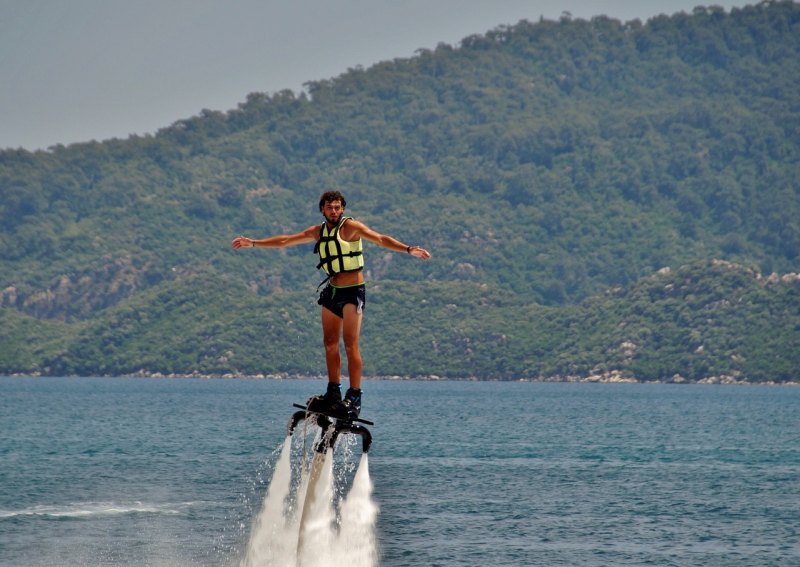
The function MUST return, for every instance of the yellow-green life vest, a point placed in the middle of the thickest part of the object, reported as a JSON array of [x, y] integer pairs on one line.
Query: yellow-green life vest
[[336, 254]]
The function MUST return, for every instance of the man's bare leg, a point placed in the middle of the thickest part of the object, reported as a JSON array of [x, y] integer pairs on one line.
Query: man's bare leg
[[351, 330], [331, 332]]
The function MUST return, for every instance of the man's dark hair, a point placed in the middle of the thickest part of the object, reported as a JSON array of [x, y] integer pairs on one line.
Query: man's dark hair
[[329, 196]]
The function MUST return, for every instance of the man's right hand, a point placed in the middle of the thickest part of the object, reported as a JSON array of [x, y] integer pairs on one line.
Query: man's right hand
[[243, 242]]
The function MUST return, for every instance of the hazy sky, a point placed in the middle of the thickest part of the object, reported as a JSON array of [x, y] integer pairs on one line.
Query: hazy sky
[[78, 70]]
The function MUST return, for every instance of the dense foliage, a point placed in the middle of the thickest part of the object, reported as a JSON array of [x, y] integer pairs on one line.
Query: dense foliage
[[541, 163]]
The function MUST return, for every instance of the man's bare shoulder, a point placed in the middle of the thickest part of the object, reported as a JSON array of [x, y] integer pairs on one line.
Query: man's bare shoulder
[[354, 229], [354, 224], [311, 232]]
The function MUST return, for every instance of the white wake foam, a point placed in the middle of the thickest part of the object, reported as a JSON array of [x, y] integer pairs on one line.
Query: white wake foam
[[88, 510]]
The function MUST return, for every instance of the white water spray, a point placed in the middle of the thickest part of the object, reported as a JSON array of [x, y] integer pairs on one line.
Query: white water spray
[[271, 541], [302, 529], [357, 541]]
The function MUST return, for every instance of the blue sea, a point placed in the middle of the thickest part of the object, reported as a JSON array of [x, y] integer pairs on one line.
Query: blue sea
[[173, 472]]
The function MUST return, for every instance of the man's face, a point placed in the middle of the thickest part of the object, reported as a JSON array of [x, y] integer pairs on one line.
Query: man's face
[[333, 211]]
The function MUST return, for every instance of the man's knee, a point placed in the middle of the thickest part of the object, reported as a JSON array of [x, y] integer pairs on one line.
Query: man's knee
[[351, 348]]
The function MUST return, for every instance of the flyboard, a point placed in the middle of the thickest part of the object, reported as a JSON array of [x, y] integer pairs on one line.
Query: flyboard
[[332, 426]]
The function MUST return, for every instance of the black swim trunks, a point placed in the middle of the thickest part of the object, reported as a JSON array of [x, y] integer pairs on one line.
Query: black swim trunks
[[335, 298]]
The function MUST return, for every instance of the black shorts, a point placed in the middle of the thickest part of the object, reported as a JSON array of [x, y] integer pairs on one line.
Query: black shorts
[[335, 298]]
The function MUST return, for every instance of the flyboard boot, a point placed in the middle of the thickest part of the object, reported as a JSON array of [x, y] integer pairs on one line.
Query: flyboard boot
[[332, 404], [352, 402], [327, 402]]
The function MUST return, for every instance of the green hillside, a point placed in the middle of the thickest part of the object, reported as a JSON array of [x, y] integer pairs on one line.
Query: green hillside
[[542, 164]]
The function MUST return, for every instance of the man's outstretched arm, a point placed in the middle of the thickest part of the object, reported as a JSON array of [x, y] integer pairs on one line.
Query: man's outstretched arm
[[278, 241], [358, 229]]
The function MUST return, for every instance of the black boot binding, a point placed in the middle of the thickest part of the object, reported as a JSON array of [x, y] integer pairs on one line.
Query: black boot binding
[[332, 404], [329, 402], [352, 402]]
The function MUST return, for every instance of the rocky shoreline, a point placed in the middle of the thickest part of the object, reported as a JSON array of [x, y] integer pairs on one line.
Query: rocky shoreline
[[611, 377]]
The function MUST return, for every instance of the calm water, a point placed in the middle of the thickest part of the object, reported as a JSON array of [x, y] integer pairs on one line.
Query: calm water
[[173, 472]]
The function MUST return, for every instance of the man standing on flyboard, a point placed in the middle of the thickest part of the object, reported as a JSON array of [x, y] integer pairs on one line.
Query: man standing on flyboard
[[339, 245]]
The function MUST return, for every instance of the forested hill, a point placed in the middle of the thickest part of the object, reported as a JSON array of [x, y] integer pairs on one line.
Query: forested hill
[[547, 162]]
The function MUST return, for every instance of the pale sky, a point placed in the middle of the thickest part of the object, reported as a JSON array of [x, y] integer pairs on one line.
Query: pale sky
[[81, 70]]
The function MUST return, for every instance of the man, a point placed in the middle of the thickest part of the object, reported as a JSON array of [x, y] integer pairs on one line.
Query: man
[[339, 245]]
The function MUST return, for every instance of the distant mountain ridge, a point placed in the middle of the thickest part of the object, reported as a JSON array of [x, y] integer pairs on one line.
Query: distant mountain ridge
[[546, 161]]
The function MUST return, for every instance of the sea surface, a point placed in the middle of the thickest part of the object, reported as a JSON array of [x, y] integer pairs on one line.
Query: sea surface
[[173, 472]]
